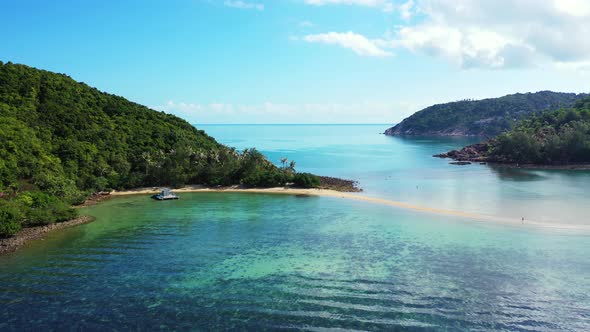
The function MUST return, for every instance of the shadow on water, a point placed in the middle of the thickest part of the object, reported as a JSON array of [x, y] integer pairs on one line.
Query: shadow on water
[[523, 174], [445, 143], [515, 174]]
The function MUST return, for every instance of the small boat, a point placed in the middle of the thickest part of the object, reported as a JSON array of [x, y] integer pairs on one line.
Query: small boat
[[165, 195]]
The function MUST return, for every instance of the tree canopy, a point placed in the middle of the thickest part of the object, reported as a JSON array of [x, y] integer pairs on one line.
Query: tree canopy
[[558, 137]]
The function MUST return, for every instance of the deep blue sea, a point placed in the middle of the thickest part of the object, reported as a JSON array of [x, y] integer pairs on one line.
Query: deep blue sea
[[238, 261]]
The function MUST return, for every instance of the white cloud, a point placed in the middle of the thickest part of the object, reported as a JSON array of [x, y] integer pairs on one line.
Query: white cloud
[[579, 8], [384, 5], [467, 48], [487, 34], [406, 9], [269, 112], [500, 33], [357, 43], [243, 5]]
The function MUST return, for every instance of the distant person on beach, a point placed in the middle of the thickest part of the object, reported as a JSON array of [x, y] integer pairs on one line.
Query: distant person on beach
[[523, 220]]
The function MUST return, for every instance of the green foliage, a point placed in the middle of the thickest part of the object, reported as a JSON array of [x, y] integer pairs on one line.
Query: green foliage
[[33, 208], [519, 145], [10, 218], [62, 139], [306, 180], [65, 137], [557, 137], [256, 171], [265, 178], [41, 208], [487, 117]]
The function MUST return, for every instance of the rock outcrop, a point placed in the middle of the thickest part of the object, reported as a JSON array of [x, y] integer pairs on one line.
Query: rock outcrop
[[472, 153]]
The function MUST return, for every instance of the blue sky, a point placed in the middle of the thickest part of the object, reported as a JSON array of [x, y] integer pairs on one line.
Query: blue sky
[[303, 61]]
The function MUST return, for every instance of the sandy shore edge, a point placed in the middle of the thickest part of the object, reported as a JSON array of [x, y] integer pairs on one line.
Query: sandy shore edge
[[194, 189], [28, 234], [364, 198], [34, 233]]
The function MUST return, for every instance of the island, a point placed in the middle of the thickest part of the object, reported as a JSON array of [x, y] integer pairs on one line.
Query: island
[[486, 118], [553, 139]]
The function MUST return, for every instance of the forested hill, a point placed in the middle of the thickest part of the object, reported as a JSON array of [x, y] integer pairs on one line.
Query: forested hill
[[487, 117], [558, 138], [61, 140], [61, 135]]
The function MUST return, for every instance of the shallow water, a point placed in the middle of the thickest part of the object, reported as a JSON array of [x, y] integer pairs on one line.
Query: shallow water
[[213, 261], [403, 169], [255, 261]]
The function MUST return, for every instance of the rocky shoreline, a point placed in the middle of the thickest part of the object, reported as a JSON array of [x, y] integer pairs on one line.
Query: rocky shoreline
[[471, 153], [96, 198], [13, 243], [477, 153], [338, 184]]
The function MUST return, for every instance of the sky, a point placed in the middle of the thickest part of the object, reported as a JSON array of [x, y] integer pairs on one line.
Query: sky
[[303, 61]]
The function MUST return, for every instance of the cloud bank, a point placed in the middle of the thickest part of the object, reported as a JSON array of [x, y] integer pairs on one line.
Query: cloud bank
[[357, 43], [479, 34]]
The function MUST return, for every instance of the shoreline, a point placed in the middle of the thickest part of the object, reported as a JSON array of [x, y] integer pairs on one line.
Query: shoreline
[[569, 167], [26, 235], [200, 188], [477, 154], [363, 198]]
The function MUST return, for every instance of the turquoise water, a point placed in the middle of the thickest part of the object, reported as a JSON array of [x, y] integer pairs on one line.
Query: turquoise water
[[250, 261], [403, 169], [265, 262]]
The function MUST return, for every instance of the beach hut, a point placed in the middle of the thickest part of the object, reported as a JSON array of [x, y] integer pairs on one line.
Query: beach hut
[[165, 194]]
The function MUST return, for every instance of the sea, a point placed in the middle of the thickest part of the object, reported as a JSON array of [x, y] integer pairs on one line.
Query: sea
[[255, 262]]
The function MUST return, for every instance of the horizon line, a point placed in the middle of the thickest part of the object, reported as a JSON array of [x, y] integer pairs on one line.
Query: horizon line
[[293, 124]]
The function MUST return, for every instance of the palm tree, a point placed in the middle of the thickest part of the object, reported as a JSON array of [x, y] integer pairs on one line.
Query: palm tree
[[284, 162], [147, 157]]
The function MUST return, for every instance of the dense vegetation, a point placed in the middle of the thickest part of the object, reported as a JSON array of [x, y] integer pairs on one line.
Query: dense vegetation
[[62, 140], [487, 117], [558, 137]]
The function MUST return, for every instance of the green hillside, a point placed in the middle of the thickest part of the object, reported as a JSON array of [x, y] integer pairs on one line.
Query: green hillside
[[558, 138], [62, 140], [487, 117]]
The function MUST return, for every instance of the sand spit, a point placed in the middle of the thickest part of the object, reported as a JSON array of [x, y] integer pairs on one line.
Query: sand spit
[[364, 198]]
